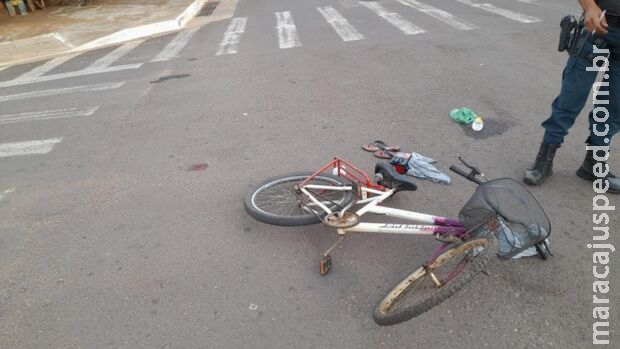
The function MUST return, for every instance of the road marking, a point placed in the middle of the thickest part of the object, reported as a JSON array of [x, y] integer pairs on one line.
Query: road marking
[[393, 18], [287, 32], [47, 115], [349, 3], [8, 191], [175, 46], [515, 16], [232, 36], [438, 14], [69, 75], [346, 31], [46, 67], [61, 91], [28, 148], [114, 56]]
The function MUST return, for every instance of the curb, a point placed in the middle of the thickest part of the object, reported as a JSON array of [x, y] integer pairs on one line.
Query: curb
[[55, 44], [141, 31]]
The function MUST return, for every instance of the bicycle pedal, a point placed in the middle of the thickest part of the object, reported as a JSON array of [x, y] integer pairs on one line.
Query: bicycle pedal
[[326, 264]]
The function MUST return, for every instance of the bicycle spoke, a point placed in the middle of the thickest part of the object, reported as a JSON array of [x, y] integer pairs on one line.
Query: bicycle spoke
[[424, 286], [282, 198]]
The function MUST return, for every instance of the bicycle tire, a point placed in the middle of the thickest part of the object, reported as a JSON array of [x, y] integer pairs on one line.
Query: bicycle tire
[[296, 215], [388, 313]]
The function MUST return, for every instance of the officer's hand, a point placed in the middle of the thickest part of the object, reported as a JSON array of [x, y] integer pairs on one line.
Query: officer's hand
[[593, 20]]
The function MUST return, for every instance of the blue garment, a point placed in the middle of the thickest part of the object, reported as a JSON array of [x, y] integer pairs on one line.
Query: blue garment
[[576, 88], [421, 166]]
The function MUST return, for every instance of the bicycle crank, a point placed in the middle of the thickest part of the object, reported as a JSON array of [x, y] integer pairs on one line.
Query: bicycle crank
[[346, 220]]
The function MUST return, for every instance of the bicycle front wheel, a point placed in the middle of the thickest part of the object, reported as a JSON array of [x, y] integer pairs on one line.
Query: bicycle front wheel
[[431, 284], [274, 201]]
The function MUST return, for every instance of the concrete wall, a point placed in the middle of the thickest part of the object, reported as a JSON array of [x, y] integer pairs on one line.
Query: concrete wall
[[71, 2]]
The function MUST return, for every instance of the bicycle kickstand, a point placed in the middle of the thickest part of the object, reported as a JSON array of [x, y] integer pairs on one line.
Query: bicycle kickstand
[[326, 260]]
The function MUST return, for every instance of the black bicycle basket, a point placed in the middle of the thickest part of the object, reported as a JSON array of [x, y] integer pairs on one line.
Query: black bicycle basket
[[503, 207]]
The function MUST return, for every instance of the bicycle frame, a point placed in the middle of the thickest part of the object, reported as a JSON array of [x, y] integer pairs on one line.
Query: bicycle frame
[[431, 225], [371, 195]]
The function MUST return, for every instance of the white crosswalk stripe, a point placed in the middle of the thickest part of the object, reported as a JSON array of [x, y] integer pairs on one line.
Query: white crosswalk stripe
[[115, 55], [515, 16], [287, 31], [232, 36], [28, 148], [438, 14], [175, 46], [46, 67], [346, 31], [72, 74], [61, 91], [393, 18], [47, 115], [5, 192]]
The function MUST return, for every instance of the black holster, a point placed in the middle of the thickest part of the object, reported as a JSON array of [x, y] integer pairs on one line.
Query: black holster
[[569, 28], [574, 37]]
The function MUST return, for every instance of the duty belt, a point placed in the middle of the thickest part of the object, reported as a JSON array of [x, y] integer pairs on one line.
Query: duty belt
[[614, 52], [613, 19]]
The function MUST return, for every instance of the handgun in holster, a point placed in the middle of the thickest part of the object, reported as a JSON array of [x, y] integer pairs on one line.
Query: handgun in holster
[[574, 37], [570, 28]]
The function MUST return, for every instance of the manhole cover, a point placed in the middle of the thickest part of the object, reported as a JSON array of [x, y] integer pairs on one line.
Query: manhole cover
[[208, 8]]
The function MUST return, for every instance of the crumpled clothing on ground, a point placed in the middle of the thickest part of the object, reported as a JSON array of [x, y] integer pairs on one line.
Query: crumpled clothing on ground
[[420, 166]]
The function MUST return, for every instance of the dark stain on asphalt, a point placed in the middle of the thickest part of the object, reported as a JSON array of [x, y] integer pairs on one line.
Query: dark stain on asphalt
[[492, 128], [170, 77], [198, 167]]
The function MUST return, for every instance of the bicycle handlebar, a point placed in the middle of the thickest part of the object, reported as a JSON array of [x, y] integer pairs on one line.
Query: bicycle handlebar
[[469, 176]]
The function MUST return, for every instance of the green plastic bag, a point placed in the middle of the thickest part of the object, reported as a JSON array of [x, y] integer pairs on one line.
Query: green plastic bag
[[463, 115]]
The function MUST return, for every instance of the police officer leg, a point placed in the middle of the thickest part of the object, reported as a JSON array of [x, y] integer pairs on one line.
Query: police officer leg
[[576, 85], [604, 123]]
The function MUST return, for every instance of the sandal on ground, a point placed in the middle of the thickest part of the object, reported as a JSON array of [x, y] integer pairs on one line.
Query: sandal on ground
[[384, 154], [379, 145]]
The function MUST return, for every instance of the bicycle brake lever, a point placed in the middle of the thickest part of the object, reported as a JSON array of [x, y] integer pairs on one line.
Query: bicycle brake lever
[[475, 171]]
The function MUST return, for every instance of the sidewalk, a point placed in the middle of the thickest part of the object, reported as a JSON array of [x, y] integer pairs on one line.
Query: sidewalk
[[62, 29]]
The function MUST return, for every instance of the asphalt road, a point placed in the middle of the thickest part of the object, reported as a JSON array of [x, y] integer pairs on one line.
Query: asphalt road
[[111, 239]]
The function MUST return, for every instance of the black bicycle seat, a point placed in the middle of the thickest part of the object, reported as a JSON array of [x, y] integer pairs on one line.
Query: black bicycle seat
[[392, 179]]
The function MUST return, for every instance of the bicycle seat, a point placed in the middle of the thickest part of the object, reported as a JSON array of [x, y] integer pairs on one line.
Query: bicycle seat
[[392, 179]]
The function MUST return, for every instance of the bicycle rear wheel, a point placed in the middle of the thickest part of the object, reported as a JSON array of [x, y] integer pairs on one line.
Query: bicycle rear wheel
[[274, 201], [431, 284]]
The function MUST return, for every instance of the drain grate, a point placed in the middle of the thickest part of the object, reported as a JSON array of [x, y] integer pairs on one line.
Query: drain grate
[[208, 9]]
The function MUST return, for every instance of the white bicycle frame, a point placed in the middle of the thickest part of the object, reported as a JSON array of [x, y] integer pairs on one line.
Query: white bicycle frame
[[431, 225]]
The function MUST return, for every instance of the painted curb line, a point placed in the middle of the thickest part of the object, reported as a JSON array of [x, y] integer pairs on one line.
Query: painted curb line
[[225, 10], [145, 30]]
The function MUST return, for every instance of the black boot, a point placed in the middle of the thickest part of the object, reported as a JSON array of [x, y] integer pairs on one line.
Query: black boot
[[586, 171], [543, 167]]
